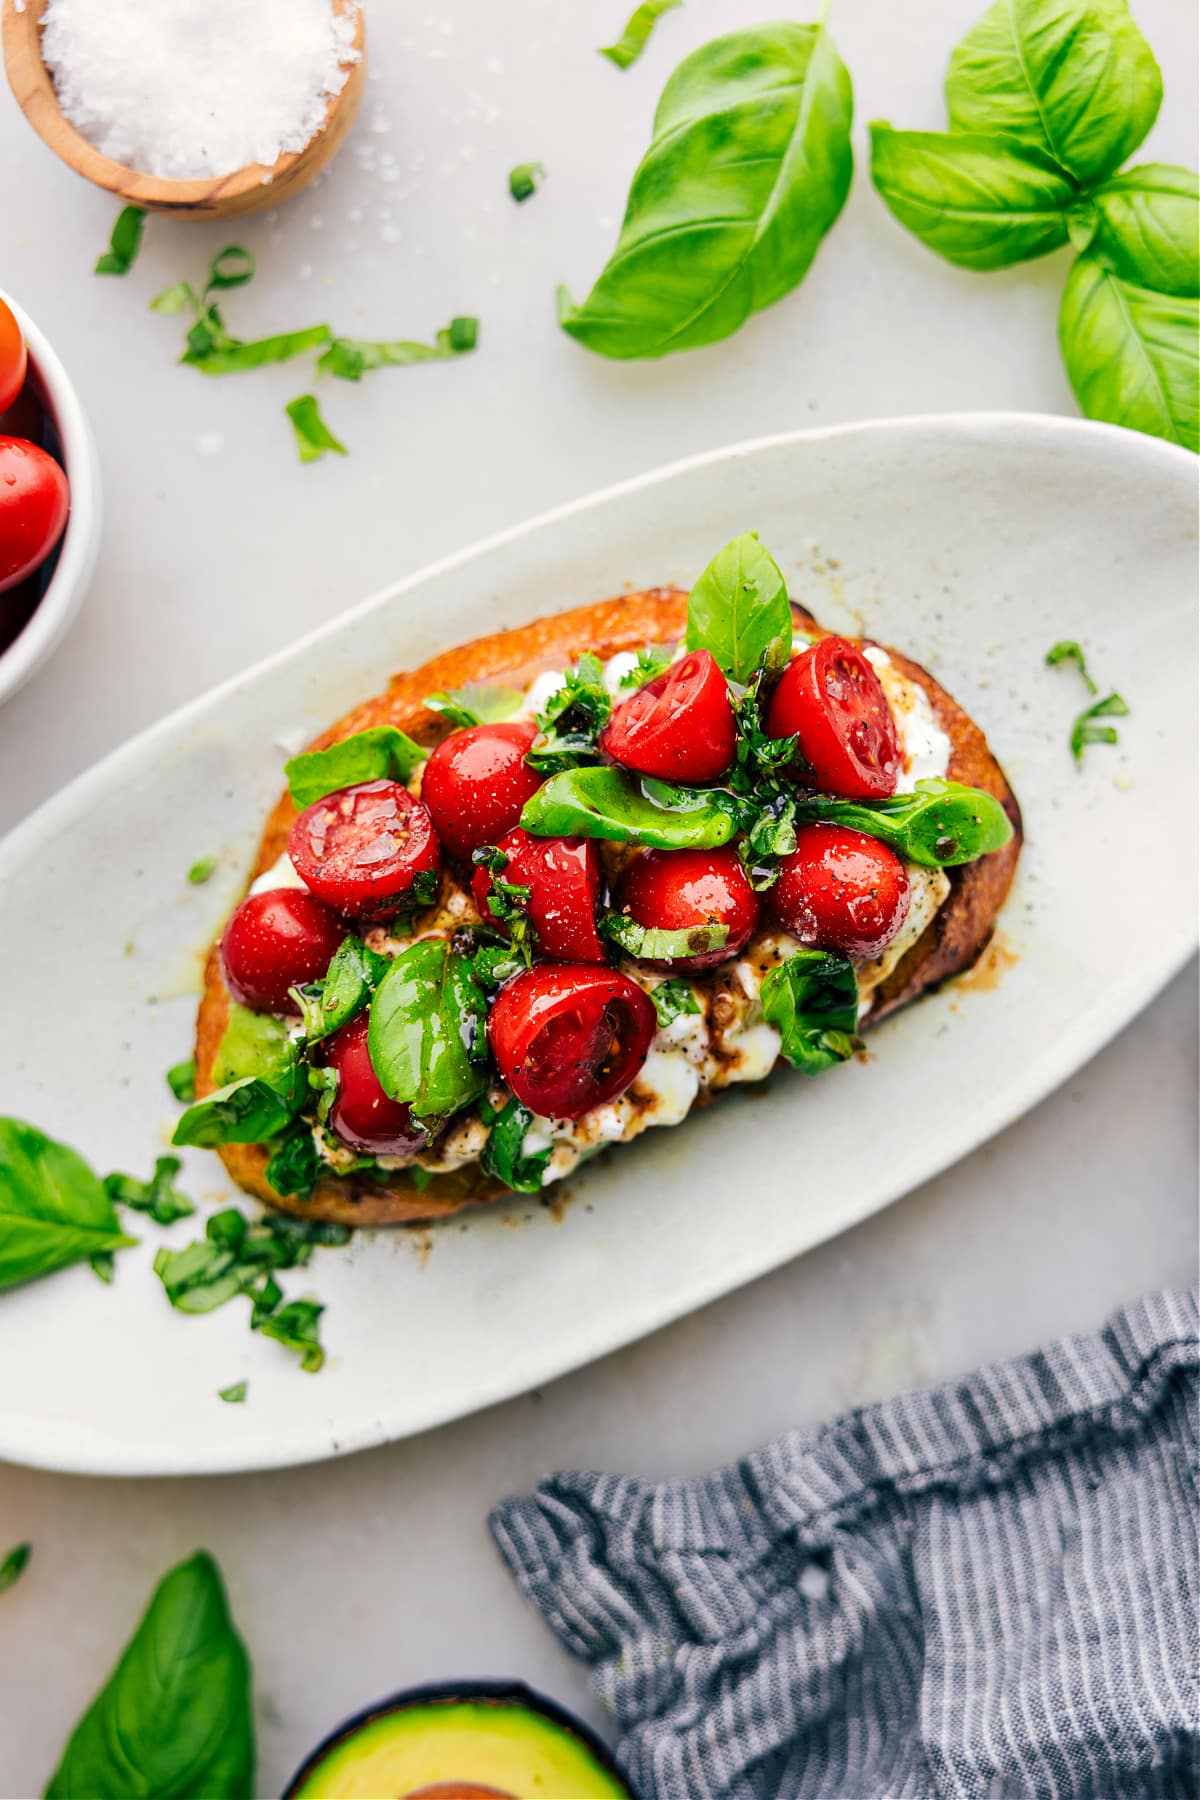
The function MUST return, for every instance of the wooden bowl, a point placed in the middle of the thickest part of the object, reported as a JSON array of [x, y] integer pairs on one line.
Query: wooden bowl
[[213, 197]]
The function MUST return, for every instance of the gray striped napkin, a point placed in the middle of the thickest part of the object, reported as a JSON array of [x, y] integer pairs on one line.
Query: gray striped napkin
[[986, 1590]]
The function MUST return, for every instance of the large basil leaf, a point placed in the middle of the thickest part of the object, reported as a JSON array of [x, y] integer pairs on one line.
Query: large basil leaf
[[174, 1717], [504, 1153], [1131, 353], [748, 168], [812, 1001], [979, 201], [380, 754], [1148, 228], [53, 1210], [1072, 79], [607, 803], [739, 610], [426, 1031], [940, 826]]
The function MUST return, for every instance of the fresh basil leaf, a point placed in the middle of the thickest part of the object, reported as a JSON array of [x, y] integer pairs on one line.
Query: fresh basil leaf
[[380, 753], [174, 1718], [636, 35], [53, 1208], [811, 998], [426, 1034], [673, 999], [248, 1111], [254, 1043], [312, 434], [159, 1197], [216, 353], [353, 975], [609, 804], [1073, 80], [748, 168], [503, 1154], [296, 1167], [202, 870], [181, 1079], [941, 826], [651, 663], [1131, 354], [739, 610], [295, 1326], [232, 267], [235, 1395], [523, 178], [475, 704], [351, 358], [14, 1566], [1067, 650], [1148, 228], [572, 719], [981, 202], [234, 1255], [1085, 731], [649, 944], [124, 244]]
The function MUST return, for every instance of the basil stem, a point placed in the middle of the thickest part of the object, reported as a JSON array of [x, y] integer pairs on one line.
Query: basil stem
[[812, 1000], [312, 434], [610, 804], [940, 826], [672, 999], [351, 358], [14, 1565], [523, 177], [379, 754]]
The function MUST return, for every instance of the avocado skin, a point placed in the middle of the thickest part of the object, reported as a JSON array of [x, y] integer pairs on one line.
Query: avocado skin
[[477, 1738]]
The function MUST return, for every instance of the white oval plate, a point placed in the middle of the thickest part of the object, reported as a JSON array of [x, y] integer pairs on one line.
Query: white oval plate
[[973, 543]]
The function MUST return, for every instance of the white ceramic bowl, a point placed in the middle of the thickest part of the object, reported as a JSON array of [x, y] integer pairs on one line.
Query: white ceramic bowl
[[81, 540]]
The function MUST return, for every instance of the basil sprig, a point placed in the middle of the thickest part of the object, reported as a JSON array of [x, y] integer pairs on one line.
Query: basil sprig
[[572, 720], [426, 1033], [476, 704], [748, 167], [54, 1210], [610, 804], [740, 612], [812, 1000], [175, 1715], [940, 826], [504, 1155], [651, 944], [381, 753]]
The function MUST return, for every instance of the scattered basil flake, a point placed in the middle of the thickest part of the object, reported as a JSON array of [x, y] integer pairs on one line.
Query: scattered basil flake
[[475, 704], [649, 944], [379, 754], [504, 1155], [181, 1079], [295, 1327], [158, 1197], [14, 1565], [651, 663], [124, 244], [349, 359], [202, 870], [523, 178], [313, 436], [507, 904], [941, 825], [636, 35], [53, 1208], [234, 1395], [1085, 731], [1067, 650], [673, 999], [353, 974], [572, 719], [812, 1000]]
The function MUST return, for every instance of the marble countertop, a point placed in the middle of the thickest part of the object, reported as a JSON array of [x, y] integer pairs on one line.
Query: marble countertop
[[355, 1578]]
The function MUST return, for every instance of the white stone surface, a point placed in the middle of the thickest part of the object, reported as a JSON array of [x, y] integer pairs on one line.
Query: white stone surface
[[355, 1578]]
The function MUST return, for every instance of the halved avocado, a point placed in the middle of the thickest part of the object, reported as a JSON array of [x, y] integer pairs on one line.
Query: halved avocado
[[483, 1741]]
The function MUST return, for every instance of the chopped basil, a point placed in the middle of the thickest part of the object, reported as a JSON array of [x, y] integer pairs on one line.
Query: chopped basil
[[739, 610], [426, 1034], [181, 1079], [421, 1178], [53, 1208], [523, 178], [230, 268], [940, 826], [295, 1327], [202, 870], [379, 754], [650, 944], [572, 719], [636, 35], [14, 1565], [103, 1266], [312, 434], [812, 1000], [504, 1154], [1068, 651], [673, 999], [351, 358], [234, 1395], [610, 804], [650, 664], [124, 244], [212, 351], [474, 705], [159, 1197], [507, 903], [296, 1166], [180, 297], [1085, 731], [353, 975]]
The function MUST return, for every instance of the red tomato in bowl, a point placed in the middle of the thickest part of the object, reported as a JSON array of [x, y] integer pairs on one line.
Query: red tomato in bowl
[[563, 878], [680, 890], [841, 890], [13, 357], [277, 941], [361, 849], [34, 503], [680, 726], [568, 1039], [362, 1115], [476, 783], [833, 701]]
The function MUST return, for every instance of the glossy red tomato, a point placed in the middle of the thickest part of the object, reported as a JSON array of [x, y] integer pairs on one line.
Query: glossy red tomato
[[476, 783], [841, 890], [362, 848], [567, 1039], [680, 726], [362, 1114], [13, 357], [276, 941], [678, 890], [34, 502], [833, 700], [563, 878]]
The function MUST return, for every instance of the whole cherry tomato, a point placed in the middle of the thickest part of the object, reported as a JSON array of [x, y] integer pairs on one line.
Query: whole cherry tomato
[[833, 700], [679, 890], [13, 358], [276, 941], [563, 878], [476, 783], [34, 502], [361, 849], [568, 1039], [362, 1115], [680, 726], [841, 890]]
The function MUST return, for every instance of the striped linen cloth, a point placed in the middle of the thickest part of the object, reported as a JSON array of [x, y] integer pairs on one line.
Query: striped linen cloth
[[986, 1590]]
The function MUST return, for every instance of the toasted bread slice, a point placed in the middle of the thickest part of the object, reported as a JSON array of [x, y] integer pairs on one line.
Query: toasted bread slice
[[957, 935]]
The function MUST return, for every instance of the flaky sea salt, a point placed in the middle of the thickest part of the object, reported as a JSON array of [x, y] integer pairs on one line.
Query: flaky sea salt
[[190, 88]]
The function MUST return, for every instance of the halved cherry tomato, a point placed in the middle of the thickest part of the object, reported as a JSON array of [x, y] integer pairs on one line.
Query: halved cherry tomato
[[34, 503], [841, 890], [678, 890], [833, 700], [361, 849], [476, 783], [362, 1115], [563, 878], [13, 357], [680, 726], [276, 941], [568, 1039]]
